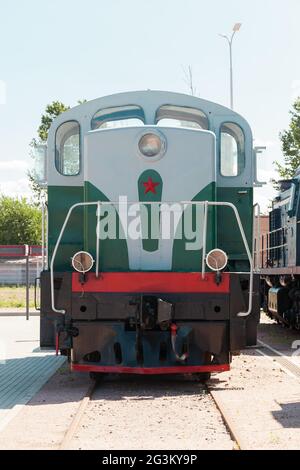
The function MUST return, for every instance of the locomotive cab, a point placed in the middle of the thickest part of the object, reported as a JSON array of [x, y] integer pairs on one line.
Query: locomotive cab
[[150, 205]]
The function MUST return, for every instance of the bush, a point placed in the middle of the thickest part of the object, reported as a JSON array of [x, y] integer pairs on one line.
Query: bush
[[20, 222]]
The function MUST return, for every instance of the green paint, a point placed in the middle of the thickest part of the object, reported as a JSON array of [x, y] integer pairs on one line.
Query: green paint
[[81, 229], [113, 252], [60, 199], [191, 260], [228, 235], [145, 195]]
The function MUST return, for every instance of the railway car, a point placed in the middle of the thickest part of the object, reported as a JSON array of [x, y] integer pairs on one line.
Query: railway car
[[280, 256], [148, 266]]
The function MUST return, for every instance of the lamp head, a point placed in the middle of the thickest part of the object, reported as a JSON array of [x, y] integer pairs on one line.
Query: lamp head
[[237, 27]]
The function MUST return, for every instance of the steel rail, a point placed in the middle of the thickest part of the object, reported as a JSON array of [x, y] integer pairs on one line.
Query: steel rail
[[85, 401], [78, 416], [229, 424]]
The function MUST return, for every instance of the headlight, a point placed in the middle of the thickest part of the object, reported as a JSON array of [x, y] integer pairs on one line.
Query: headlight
[[216, 260], [150, 145], [82, 262]]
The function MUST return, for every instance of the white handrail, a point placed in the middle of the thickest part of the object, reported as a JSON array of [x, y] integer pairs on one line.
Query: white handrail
[[79, 204], [97, 237], [43, 236], [47, 237], [201, 203], [44, 209], [204, 238], [244, 238]]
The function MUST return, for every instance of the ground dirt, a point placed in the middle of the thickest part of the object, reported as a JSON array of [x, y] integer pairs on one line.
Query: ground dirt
[[15, 297], [261, 400]]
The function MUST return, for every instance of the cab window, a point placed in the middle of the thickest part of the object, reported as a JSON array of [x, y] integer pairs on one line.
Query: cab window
[[67, 148], [232, 150], [122, 116], [181, 116]]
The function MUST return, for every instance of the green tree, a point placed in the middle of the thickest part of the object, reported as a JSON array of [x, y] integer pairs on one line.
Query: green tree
[[51, 112], [20, 222], [290, 144]]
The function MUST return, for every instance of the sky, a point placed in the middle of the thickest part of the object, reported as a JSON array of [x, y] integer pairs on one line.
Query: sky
[[69, 50]]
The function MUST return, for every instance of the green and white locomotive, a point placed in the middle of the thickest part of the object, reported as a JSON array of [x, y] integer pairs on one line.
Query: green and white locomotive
[[148, 254]]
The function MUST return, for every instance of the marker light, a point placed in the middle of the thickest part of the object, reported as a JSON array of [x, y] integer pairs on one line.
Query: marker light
[[82, 262], [150, 145], [216, 260]]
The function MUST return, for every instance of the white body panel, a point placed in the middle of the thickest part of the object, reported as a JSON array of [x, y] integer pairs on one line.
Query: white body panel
[[113, 165], [150, 101]]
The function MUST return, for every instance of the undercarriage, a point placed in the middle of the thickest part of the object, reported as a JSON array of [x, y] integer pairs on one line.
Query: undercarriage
[[149, 332]]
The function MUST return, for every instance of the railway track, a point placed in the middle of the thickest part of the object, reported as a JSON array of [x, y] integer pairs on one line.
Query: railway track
[[226, 420], [83, 406], [78, 416], [263, 349]]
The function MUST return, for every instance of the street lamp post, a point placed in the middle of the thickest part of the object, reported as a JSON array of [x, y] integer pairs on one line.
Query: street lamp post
[[236, 28]]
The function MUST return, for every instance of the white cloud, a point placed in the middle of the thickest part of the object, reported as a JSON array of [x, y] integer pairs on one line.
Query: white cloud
[[16, 188], [265, 143], [267, 175], [266, 194], [13, 165]]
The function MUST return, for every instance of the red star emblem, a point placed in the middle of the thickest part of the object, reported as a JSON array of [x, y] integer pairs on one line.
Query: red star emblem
[[150, 186]]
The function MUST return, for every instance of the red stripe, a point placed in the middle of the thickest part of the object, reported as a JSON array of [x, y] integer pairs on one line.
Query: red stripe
[[151, 282], [150, 370]]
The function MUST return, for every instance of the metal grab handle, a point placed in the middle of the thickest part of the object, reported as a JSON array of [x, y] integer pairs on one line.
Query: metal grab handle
[[201, 203], [44, 236], [79, 204], [35, 290], [204, 238], [98, 213], [245, 314], [244, 238]]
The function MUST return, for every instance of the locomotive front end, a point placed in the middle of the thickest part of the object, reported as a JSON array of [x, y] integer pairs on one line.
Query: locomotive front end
[[150, 270]]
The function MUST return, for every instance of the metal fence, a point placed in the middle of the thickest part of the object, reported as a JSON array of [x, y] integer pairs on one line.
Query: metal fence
[[19, 264]]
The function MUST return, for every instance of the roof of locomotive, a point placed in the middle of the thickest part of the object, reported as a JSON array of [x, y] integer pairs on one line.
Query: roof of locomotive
[[168, 97], [150, 101]]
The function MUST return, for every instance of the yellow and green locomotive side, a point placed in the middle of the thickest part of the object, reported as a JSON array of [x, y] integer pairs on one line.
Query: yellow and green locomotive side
[[114, 321]]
